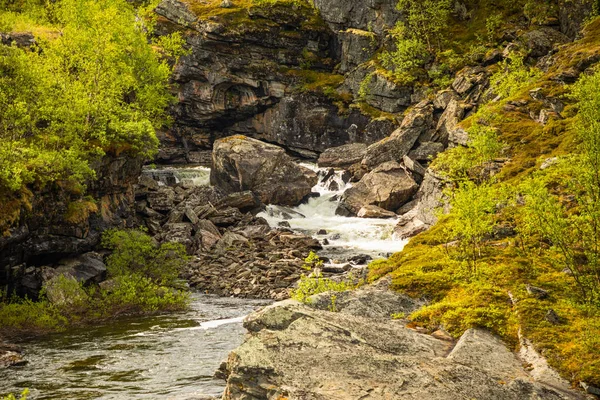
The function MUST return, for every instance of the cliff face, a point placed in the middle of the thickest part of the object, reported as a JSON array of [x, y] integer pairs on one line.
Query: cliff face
[[59, 223], [277, 73]]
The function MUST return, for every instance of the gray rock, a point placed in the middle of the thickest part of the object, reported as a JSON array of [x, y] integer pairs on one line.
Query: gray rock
[[162, 200], [176, 11], [298, 352], [371, 211], [19, 39], [86, 268], [537, 292], [343, 156], [426, 151], [241, 164], [358, 46], [388, 186], [375, 15], [394, 148], [539, 42]]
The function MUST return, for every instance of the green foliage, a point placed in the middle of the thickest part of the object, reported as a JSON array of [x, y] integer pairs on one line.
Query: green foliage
[[492, 24], [315, 284], [98, 86], [426, 19], [312, 262], [11, 396], [512, 76], [466, 163], [572, 224], [410, 54], [135, 253], [141, 278], [537, 12], [472, 218]]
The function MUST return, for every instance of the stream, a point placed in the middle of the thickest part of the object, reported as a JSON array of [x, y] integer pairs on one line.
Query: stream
[[175, 356]]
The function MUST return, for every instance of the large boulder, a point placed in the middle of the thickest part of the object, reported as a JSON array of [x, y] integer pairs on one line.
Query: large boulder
[[342, 156], [417, 122], [388, 186], [241, 163], [296, 352]]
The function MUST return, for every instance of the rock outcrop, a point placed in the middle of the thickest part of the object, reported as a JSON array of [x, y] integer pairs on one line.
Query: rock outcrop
[[295, 351], [388, 186], [241, 163], [62, 225]]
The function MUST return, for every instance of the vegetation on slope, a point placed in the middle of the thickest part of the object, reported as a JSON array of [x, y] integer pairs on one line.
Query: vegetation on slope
[[92, 84], [142, 280], [514, 227]]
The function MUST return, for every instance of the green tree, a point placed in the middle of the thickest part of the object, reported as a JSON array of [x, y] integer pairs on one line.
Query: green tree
[[136, 253], [472, 218], [426, 20], [98, 87]]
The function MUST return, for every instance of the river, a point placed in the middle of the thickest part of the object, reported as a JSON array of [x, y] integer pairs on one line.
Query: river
[[175, 356]]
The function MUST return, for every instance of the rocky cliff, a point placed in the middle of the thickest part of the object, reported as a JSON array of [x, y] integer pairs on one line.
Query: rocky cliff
[[58, 222]]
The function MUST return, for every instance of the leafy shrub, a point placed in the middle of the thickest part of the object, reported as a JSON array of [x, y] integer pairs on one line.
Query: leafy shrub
[[311, 285], [135, 253], [11, 396], [512, 76], [472, 218], [464, 163], [98, 86]]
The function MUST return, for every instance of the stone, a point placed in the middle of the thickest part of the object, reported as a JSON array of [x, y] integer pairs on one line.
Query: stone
[[537, 292], [243, 201], [371, 211], [179, 233], [358, 46], [426, 151], [162, 200], [443, 98], [393, 148], [540, 41], [448, 122], [388, 186], [343, 156], [175, 11], [552, 317], [226, 4], [19, 39], [241, 164], [297, 351], [87, 268]]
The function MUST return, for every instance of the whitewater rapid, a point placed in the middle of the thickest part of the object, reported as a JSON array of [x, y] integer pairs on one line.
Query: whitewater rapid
[[345, 235]]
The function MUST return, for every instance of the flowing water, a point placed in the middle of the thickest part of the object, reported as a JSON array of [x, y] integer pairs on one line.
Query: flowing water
[[167, 357], [346, 236], [175, 356]]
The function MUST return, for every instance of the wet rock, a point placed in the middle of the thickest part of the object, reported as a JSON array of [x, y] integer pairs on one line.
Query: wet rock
[[360, 259], [321, 232], [375, 212], [343, 156], [9, 355], [284, 224], [241, 163], [388, 186]]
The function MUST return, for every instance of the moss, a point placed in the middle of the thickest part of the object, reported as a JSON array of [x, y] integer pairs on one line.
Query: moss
[[79, 211], [432, 267]]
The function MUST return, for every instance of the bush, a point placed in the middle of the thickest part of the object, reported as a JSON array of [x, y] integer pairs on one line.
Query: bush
[[11, 396], [98, 86], [311, 285], [512, 76], [135, 253], [141, 278]]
